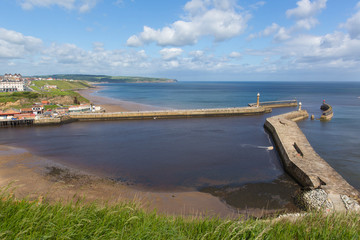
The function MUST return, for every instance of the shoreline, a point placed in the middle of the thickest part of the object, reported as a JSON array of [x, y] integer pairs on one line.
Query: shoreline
[[115, 105], [33, 177]]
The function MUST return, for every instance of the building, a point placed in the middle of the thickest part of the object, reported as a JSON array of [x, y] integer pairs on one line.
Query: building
[[80, 108], [50, 86], [38, 109], [12, 83]]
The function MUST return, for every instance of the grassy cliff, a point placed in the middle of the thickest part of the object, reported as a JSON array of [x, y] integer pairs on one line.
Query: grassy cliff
[[64, 94], [34, 220], [109, 79]]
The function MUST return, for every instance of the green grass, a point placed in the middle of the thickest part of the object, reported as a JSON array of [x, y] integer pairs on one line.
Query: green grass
[[31, 220], [61, 84], [13, 97], [105, 78]]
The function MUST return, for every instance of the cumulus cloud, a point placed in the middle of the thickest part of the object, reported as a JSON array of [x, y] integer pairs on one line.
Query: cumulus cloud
[[353, 24], [235, 55], [81, 5], [16, 45], [219, 19], [170, 53], [306, 9], [305, 13]]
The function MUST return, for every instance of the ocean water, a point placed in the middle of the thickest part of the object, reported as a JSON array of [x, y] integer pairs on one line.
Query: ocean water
[[337, 141], [228, 157]]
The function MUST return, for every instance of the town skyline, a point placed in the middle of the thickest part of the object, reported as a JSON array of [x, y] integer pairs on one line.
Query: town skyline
[[304, 40]]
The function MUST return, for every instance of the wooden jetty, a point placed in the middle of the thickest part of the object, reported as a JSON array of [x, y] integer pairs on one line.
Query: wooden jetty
[[15, 123]]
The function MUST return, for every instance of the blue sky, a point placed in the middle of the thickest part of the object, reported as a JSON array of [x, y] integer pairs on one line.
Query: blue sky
[[225, 40]]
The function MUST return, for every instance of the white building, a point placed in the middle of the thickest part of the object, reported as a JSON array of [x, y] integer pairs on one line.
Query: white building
[[12, 83], [6, 86]]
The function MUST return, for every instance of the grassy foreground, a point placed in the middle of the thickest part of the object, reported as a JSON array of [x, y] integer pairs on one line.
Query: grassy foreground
[[32, 220]]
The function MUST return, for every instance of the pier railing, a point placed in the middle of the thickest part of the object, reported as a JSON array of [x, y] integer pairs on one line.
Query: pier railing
[[274, 104]]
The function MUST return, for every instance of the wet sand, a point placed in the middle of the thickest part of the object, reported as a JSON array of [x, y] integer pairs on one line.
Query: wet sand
[[32, 177]]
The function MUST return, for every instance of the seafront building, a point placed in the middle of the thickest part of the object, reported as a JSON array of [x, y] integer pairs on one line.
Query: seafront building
[[12, 83]]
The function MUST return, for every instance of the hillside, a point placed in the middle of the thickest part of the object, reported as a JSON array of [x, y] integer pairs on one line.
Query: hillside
[[109, 79], [63, 94]]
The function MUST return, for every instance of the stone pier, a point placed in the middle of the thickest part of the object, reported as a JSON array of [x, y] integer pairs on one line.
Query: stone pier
[[168, 114], [324, 188]]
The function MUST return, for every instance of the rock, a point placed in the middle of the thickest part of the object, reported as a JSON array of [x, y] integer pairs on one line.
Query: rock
[[316, 199]]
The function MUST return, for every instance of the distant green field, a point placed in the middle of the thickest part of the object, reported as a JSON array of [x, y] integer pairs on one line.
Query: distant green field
[[63, 85], [105, 78]]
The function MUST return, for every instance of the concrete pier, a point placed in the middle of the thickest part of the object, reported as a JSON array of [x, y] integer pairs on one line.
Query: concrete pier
[[324, 187], [191, 113], [274, 104], [53, 121]]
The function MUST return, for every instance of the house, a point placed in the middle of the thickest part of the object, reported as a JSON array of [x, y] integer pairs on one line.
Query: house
[[38, 109], [80, 108], [24, 116], [50, 87], [26, 110], [12, 83], [45, 102], [8, 114], [62, 110]]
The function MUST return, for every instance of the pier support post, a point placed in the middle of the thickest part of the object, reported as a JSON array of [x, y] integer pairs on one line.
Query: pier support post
[[258, 100]]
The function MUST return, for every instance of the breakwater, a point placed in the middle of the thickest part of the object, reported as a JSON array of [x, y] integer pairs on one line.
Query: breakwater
[[324, 188], [275, 104], [15, 123], [191, 113]]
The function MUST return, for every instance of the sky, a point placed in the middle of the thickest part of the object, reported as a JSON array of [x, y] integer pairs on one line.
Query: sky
[[189, 40]]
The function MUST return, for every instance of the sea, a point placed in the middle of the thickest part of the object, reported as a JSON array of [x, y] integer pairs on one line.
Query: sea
[[232, 158]]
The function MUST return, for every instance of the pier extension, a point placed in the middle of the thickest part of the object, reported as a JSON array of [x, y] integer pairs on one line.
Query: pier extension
[[190, 113], [324, 188]]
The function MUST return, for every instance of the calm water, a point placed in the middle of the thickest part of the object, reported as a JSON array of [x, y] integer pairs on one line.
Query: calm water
[[337, 141], [227, 157]]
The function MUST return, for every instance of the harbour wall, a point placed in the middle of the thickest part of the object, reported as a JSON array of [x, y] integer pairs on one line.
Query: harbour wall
[[191, 113], [324, 188]]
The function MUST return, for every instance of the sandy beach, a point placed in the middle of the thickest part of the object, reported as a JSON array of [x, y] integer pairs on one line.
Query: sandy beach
[[114, 105], [32, 177]]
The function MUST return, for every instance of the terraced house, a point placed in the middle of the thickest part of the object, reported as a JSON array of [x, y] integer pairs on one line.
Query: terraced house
[[12, 83]]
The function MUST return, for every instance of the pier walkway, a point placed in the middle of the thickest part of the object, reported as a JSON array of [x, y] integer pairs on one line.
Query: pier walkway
[[276, 104], [325, 188], [167, 114]]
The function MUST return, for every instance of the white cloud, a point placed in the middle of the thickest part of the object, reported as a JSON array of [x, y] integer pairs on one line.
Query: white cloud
[[81, 5], [306, 9], [16, 45], [170, 53], [235, 55], [353, 24], [215, 18], [257, 5], [270, 30], [305, 13]]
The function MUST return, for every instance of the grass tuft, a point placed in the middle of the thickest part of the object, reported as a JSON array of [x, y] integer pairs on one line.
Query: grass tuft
[[76, 220]]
